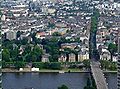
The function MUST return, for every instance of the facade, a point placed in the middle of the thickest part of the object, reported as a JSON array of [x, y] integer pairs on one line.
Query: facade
[[11, 35], [119, 45], [0, 65], [62, 58], [118, 74], [82, 57], [111, 1], [45, 58], [72, 57]]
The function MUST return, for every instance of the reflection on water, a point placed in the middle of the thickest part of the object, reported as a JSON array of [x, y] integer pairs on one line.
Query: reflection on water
[[50, 80]]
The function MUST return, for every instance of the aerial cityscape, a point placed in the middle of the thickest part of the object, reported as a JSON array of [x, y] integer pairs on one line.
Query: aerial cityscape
[[60, 44]]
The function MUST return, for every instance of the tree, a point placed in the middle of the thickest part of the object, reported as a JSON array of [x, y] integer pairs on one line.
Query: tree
[[51, 25], [112, 49], [19, 58], [63, 87], [17, 42], [55, 66], [105, 64], [86, 87], [19, 64], [27, 49], [33, 36], [24, 41], [6, 55], [56, 34], [33, 58], [35, 54], [37, 50], [28, 58], [113, 66], [86, 63], [18, 34], [7, 44], [14, 53], [52, 48], [93, 31], [88, 82]]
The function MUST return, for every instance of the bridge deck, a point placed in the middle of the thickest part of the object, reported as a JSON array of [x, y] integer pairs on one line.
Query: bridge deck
[[98, 76]]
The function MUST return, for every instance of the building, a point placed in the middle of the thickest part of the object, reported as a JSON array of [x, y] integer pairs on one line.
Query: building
[[0, 63], [105, 56], [119, 45], [45, 58], [41, 35], [11, 35], [111, 1], [118, 73], [83, 56], [3, 18], [72, 57], [62, 58], [69, 45]]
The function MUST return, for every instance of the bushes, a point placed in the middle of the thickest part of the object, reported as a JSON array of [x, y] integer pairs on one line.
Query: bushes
[[107, 65], [19, 64], [55, 66], [39, 65], [47, 65]]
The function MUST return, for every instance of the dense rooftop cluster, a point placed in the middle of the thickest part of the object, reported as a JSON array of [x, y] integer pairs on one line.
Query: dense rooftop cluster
[[59, 30]]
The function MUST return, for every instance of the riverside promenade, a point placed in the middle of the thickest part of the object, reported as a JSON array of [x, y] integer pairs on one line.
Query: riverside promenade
[[7, 70]]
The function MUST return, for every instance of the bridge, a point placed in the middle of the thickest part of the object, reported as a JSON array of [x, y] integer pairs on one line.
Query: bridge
[[98, 75]]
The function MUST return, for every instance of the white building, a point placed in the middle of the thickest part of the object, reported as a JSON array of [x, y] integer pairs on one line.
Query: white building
[[3, 18], [72, 57], [45, 58], [10, 35]]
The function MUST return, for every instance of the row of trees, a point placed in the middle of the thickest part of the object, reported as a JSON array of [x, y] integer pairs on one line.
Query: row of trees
[[29, 53], [112, 48], [93, 31], [52, 65]]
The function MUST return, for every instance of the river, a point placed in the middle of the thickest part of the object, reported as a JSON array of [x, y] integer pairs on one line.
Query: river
[[50, 80]]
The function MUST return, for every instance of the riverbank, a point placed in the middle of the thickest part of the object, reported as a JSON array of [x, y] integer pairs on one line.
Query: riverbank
[[52, 71]]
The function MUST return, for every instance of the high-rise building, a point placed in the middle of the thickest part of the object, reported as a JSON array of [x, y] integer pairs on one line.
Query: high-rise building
[[118, 73], [0, 55], [118, 44], [11, 35]]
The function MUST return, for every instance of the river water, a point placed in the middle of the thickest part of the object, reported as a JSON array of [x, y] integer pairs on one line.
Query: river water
[[50, 80]]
